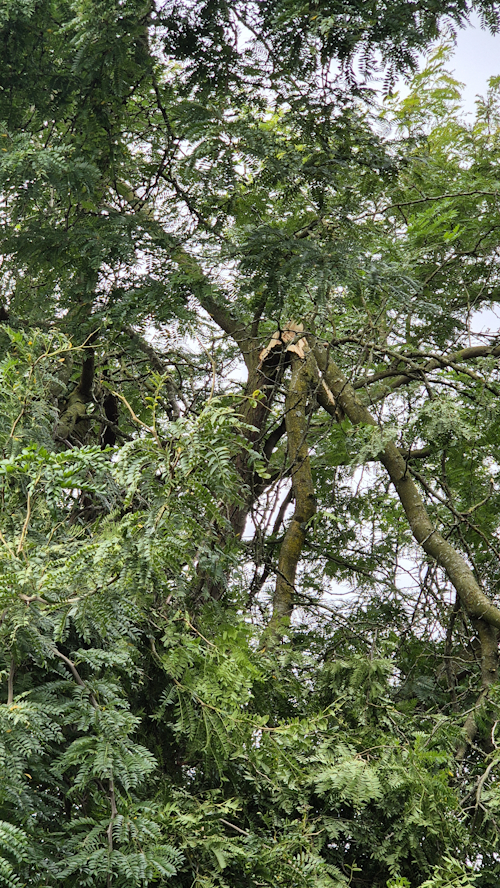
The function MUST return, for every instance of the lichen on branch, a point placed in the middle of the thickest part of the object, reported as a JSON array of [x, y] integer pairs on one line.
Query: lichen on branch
[[303, 491]]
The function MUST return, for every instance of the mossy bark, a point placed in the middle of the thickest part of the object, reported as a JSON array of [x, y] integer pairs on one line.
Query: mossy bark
[[73, 421], [303, 491], [488, 637], [333, 388]]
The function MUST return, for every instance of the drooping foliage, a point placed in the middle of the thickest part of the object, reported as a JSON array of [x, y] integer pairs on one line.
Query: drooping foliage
[[249, 603]]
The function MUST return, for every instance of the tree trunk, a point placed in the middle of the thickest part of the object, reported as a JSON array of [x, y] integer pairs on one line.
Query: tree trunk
[[303, 491]]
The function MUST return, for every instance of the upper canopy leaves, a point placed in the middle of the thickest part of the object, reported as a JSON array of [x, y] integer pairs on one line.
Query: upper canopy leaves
[[250, 449]]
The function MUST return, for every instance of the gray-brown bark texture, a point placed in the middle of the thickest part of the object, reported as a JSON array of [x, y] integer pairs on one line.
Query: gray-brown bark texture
[[333, 388], [303, 492]]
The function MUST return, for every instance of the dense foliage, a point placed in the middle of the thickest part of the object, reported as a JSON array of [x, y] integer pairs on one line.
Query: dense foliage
[[250, 447]]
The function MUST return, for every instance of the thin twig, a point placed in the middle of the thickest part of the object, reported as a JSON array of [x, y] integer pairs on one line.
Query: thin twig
[[10, 683], [111, 792], [214, 369], [233, 826], [136, 419], [483, 779], [76, 675], [25, 525]]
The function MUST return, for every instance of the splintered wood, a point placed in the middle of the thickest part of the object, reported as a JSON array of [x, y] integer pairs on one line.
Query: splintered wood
[[286, 340]]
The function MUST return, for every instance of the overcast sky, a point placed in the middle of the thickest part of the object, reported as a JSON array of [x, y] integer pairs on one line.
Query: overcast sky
[[477, 58]]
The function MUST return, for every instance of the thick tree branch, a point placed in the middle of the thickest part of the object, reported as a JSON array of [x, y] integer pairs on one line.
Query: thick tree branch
[[205, 291], [488, 637], [303, 491], [73, 419], [333, 387], [273, 439], [432, 362]]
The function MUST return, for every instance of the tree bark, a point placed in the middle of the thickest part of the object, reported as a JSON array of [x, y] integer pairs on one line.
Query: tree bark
[[488, 638], [303, 490], [333, 388], [73, 419]]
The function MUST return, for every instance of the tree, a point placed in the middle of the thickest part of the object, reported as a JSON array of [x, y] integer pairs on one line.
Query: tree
[[249, 449]]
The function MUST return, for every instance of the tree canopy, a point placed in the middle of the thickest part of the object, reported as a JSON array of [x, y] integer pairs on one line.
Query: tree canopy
[[250, 447]]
